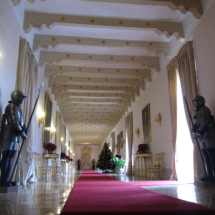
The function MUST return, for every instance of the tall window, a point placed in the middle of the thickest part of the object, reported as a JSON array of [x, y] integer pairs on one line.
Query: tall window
[[184, 145]]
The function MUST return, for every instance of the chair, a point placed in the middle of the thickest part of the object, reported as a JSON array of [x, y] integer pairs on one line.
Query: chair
[[154, 171]]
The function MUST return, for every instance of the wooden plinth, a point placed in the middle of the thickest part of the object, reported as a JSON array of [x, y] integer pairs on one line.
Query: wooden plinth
[[13, 189], [205, 183]]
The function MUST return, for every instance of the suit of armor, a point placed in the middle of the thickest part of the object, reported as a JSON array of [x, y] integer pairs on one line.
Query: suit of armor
[[79, 164], [13, 129], [204, 128], [93, 164]]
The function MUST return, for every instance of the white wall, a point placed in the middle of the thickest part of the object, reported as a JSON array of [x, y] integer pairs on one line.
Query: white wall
[[204, 44], [157, 96], [11, 19], [9, 48]]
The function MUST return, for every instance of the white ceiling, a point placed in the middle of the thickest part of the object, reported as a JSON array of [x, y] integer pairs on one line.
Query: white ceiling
[[99, 54]]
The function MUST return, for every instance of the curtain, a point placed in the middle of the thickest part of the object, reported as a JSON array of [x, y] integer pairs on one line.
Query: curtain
[[129, 133], [63, 135], [26, 81], [187, 74], [113, 142], [118, 145], [58, 135], [172, 84], [184, 62], [121, 140]]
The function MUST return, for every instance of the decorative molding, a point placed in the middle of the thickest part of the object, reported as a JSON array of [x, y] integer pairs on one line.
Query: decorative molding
[[34, 20], [92, 76], [117, 81], [46, 42], [65, 95], [145, 62], [17, 2], [184, 6]]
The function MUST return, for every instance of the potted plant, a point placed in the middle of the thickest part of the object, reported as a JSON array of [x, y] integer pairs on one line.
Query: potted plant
[[118, 156], [50, 147], [119, 164], [63, 156], [143, 148]]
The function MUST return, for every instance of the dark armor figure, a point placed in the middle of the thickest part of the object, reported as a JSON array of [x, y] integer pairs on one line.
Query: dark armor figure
[[79, 164], [204, 130], [13, 129], [93, 164]]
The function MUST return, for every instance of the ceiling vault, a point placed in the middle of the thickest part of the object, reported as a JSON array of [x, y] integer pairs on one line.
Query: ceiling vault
[[99, 55]]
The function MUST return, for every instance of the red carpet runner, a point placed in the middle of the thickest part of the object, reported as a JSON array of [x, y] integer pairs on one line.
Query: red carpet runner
[[96, 193]]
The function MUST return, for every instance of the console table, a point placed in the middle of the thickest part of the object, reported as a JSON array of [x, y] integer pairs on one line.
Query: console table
[[140, 160], [50, 171]]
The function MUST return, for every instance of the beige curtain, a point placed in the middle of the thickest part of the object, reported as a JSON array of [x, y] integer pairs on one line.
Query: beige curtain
[[187, 74], [121, 140], [118, 144], [184, 62], [129, 133], [58, 133], [172, 84], [113, 142], [27, 82], [63, 134]]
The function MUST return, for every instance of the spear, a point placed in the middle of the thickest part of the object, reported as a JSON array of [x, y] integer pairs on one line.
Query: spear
[[196, 138], [26, 131]]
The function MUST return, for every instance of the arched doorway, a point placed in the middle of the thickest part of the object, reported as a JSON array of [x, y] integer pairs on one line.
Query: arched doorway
[[86, 158]]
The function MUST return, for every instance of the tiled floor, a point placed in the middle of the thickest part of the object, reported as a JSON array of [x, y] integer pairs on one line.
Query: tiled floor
[[189, 192], [48, 198]]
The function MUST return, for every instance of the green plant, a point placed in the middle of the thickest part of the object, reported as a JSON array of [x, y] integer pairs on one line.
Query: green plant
[[118, 161]]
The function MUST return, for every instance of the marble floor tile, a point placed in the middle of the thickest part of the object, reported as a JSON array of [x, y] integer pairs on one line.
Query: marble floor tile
[[49, 197]]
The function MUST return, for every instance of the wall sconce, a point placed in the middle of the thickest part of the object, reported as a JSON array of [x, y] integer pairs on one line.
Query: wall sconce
[[158, 119], [41, 119], [137, 132], [52, 131]]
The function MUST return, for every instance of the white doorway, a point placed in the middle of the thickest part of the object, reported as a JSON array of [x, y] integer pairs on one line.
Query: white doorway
[[184, 144]]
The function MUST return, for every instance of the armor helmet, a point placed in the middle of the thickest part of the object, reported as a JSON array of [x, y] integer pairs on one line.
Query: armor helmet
[[17, 96], [199, 101]]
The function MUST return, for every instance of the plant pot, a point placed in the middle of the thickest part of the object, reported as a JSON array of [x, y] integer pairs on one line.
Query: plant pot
[[51, 151], [119, 170]]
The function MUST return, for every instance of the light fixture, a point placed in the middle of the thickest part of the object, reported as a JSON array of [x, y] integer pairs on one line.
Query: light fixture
[[158, 119], [61, 139], [52, 131], [41, 118], [137, 132]]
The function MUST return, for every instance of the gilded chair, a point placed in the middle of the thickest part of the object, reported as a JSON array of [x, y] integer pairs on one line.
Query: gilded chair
[[154, 171]]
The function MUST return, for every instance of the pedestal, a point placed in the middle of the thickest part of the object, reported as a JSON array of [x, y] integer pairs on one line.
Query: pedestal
[[13, 189], [205, 183]]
